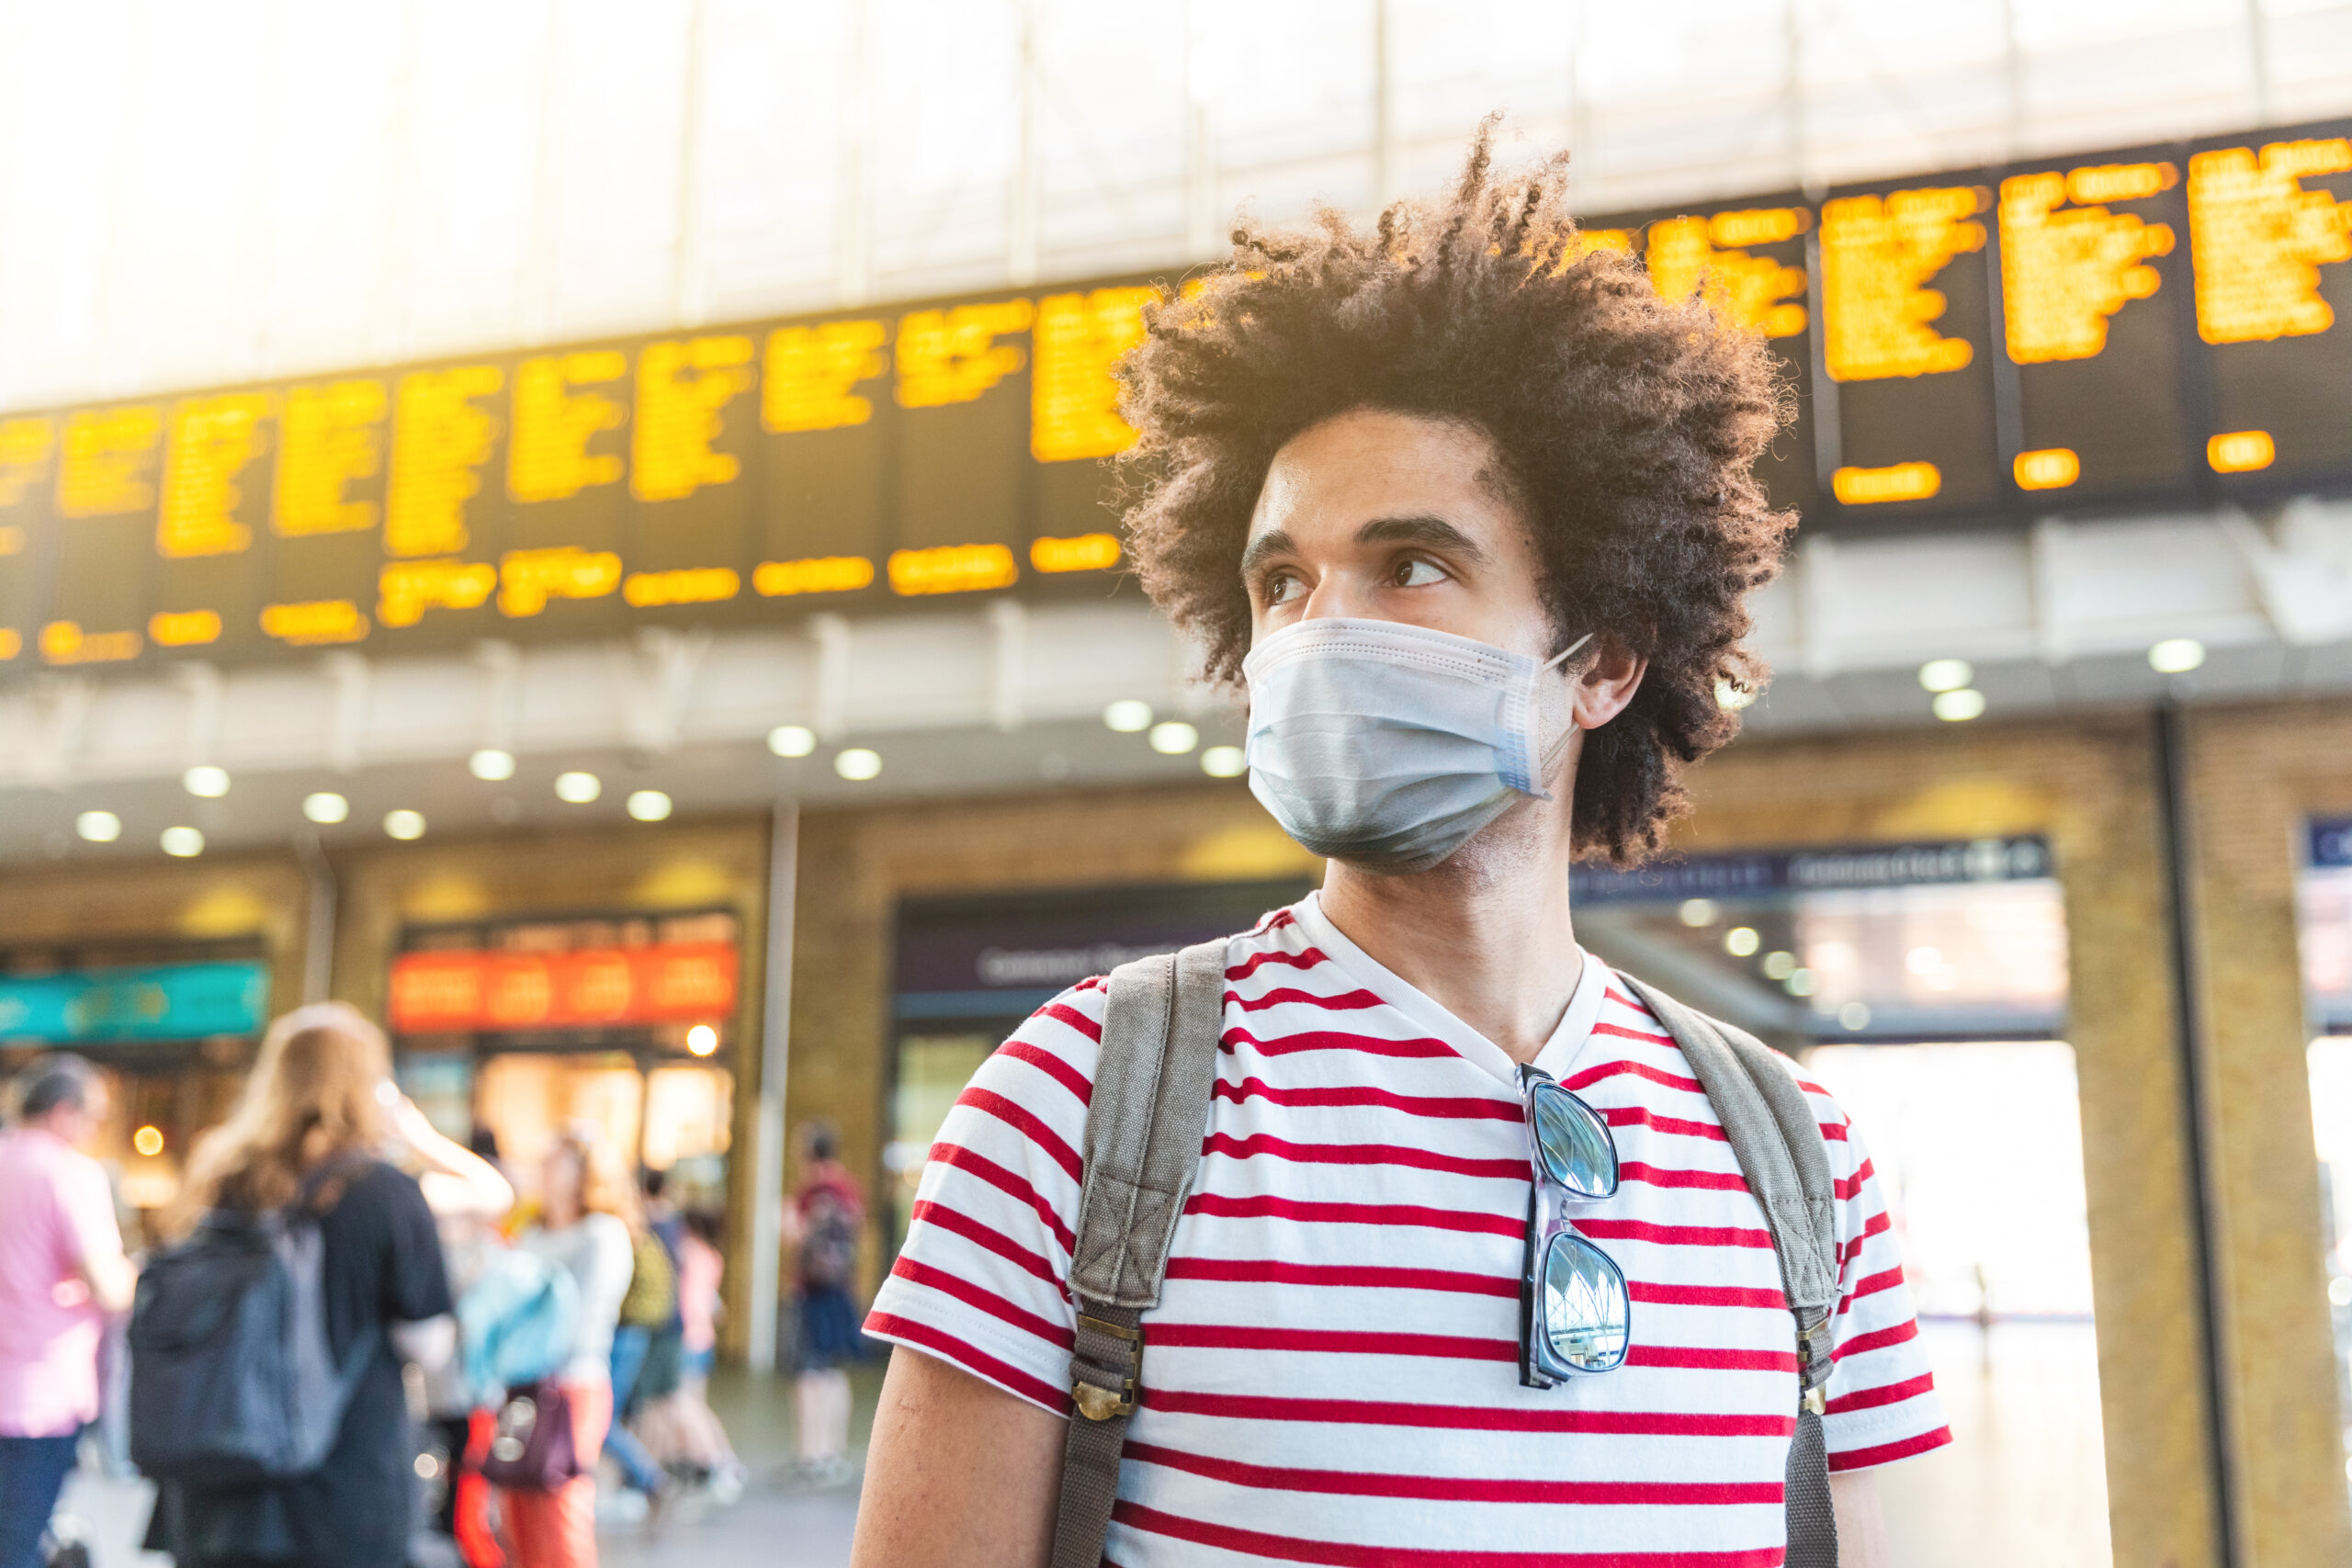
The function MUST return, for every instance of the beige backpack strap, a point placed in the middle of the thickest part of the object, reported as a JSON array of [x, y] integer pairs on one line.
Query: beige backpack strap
[[1144, 1126], [1781, 1153]]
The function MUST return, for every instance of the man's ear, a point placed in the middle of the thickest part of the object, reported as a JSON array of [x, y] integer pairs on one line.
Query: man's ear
[[1601, 690]]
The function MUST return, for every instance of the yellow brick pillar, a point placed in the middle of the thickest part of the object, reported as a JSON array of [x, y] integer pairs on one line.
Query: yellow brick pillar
[[2255, 774]]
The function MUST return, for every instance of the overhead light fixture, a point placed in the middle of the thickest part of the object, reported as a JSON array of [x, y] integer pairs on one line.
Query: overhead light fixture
[[857, 765], [148, 1140], [2176, 656], [648, 804], [1959, 706], [1741, 942], [1946, 674], [492, 765], [206, 782], [1173, 738], [1225, 761], [792, 740], [325, 807], [1128, 716], [404, 823], [98, 827], [577, 788], [181, 841], [1698, 912], [702, 1039]]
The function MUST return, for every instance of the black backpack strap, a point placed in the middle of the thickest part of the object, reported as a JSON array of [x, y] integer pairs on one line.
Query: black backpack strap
[[1778, 1143], [1144, 1126]]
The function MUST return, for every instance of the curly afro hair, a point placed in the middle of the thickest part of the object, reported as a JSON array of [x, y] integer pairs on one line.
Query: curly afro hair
[[1628, 426]]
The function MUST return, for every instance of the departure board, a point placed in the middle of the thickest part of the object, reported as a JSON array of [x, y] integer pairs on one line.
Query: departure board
[[2156, 326], [2271, 220]]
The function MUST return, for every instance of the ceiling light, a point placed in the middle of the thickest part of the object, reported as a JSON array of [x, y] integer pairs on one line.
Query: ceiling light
[[1779, 965], [492, 765], [648, 804], [1697, 912], [404, 823], [1854, 1015], [98, 827], [857, 765], [1128, 716], [183, 841], [148, 1140], [325, 807], [702, 1039], [1741, 940], [206, 782], [2176, 655], [578, 789], [1225, 761], [1959, 706], [792, 740], [1946, 674], [1173, 738]]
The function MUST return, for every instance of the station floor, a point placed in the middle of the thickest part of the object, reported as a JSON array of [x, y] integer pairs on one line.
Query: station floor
[[2023, 1483]]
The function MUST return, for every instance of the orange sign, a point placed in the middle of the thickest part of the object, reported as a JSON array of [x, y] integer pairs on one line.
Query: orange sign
[[482, 992]]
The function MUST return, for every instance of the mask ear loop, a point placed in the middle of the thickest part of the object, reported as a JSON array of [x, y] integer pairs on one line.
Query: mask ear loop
[[1561, 656]]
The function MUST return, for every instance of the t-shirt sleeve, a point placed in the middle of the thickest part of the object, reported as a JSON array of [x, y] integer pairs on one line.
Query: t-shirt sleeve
[[1882, 1403], [983, 1279], [416, 1278]]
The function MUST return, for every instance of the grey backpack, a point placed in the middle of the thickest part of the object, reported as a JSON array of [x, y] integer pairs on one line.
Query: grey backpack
[[1143, 1141], [231, 1379]]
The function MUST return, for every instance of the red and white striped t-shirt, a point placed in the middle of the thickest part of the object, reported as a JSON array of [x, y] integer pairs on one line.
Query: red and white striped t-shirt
[[1331, 1375]]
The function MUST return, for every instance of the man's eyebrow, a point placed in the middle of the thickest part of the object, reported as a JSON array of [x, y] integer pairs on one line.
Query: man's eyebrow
[[1273, 542], [1420, 530]]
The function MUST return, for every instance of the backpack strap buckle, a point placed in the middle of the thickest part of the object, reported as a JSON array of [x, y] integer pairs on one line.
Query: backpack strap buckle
[[1106, 1360]]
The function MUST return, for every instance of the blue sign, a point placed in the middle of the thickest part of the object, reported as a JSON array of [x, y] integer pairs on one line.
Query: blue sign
[[1818, 870], [2331, 842], [154, 1003]]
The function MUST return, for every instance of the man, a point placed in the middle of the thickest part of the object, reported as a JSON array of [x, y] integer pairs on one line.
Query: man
[[823, 1223], [1470, 510], [62, 1271]]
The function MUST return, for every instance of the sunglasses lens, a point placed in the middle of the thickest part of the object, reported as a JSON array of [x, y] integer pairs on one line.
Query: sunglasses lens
[[1585, 1313], [1577, 1152]]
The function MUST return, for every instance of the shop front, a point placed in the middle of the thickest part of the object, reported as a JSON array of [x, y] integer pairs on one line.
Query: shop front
[[172, 1026], [508, 1032]]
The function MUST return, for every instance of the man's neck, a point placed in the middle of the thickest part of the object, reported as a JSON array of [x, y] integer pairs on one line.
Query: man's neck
[[1485, 935]]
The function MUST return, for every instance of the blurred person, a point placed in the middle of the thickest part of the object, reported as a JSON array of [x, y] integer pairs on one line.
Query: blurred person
[[645, 1339], [467, 1212], [587, 1224], [824, 1222], [63, 1273], [1469, 509], [319, 1125], [683, 1429]]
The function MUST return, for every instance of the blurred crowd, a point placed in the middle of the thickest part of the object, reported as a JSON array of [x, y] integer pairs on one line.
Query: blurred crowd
[[346, 1342]]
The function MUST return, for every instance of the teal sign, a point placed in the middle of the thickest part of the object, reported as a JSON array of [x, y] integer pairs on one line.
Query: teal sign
[[160, 1002]]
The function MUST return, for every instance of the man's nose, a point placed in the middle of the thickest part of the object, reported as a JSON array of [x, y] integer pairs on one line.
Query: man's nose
[[1338, 594]]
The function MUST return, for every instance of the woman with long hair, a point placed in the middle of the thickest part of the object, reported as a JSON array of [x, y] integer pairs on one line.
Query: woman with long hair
[[315, 1125], [588, 1221]]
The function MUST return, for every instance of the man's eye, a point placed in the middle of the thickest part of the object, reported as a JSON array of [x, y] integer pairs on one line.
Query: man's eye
[[1414, 572], [1281, 589]]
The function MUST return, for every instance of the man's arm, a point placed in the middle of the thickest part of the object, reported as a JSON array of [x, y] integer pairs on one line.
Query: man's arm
[[99, 1260], [1861, 1527], [960, 1474]]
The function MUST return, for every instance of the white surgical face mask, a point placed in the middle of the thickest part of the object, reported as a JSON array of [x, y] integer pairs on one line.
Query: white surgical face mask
[[1387, 746]]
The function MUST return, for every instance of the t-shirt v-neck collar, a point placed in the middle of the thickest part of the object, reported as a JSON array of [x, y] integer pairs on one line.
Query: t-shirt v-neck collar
[[1559, 1053]]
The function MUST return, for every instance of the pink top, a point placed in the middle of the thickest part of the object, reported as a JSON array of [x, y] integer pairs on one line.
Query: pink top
[[55, 1210], [699, 1268]]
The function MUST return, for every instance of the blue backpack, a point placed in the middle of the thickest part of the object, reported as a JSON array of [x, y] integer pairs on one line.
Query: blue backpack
[[231, 1379], [516, 1323]]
